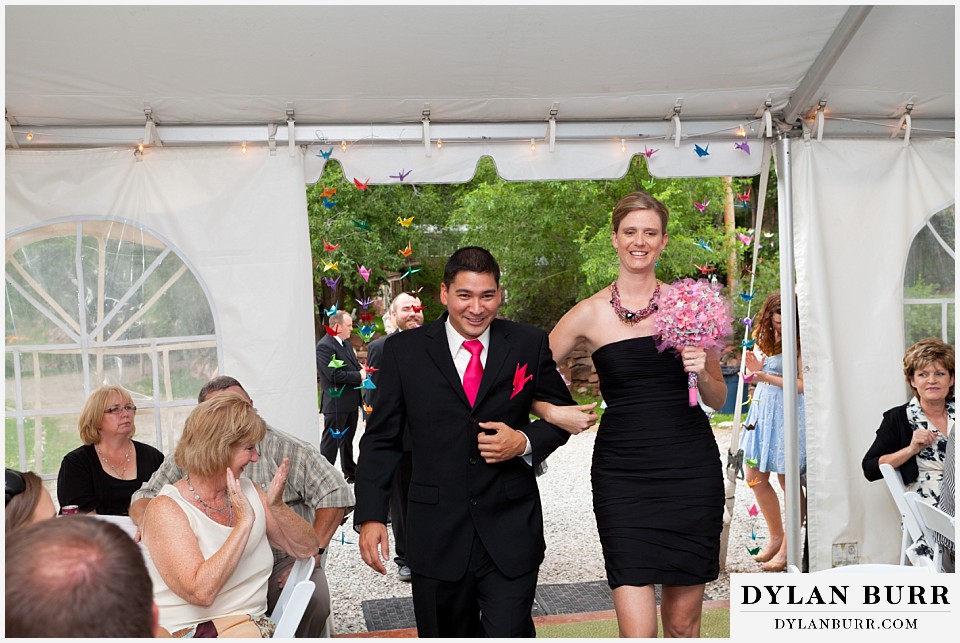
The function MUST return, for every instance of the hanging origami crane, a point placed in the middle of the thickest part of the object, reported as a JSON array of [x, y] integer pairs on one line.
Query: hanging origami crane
[[409, 272], [361, 225], [370, 369], [745, 146], [753, 551], [364, 303], [329, 247], [753, 511], [331, 282], [325, 155], [331, 265], [330, 331], [703, 244], [337, 392], [364, 272], [328, 204], [328, 192], [701, 151], [365, 317], [335, 363], [745, 239], [406, 252], [753, 463], [747, 321], [417, 309], [338, 434], [701, 206], [745, 196], [648, 152], [405, 222], [367, 385], [401, 175], [360, 185], [748, 343], [330, 312], [367, 408], [705, 269], [746, 297]]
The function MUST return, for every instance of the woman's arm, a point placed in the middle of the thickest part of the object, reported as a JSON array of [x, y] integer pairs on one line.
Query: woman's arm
[[572, 419], [176, 553], [75, 482], [777, 380], [285, 529]]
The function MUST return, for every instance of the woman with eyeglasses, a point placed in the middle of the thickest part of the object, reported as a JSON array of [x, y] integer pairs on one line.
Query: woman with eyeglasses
[[100, 476], [27, 501], [763, 440]]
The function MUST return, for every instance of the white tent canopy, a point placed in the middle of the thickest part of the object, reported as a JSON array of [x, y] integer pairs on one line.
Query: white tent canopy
[[379, 88]]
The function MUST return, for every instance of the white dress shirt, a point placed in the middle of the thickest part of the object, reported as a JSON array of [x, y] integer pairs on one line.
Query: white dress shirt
[[461, 358]]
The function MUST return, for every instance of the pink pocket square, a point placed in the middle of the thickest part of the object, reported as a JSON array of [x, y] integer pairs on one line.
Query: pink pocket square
[[520, 379]]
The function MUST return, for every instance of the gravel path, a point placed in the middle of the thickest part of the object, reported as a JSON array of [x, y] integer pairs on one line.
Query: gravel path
[[573, 548]]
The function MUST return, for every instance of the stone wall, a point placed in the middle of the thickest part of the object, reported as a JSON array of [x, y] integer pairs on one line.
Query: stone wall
[[578, 369]]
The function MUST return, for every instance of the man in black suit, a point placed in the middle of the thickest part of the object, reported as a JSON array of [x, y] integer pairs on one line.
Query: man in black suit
[[340, 374], [474, 520], [406, 312]]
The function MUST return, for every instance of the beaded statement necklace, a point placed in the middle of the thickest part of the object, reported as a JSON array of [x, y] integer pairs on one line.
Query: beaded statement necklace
[[630, 317], [126, 463], [207, 508]]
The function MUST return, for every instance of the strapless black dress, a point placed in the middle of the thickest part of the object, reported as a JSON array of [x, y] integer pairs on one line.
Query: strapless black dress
[[657, 476]]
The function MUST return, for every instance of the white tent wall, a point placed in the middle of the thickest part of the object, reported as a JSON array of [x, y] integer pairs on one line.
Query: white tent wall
[[857, 207], [239, 220]]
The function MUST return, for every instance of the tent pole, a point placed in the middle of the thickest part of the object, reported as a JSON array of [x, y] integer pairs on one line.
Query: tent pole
[[788, 306]]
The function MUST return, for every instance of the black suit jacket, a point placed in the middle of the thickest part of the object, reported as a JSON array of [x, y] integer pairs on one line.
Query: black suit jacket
[[453, 492], [372, 396], [347, 376]]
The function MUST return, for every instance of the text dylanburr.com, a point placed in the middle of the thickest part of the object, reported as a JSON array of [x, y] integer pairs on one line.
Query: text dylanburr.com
[[861, 606]]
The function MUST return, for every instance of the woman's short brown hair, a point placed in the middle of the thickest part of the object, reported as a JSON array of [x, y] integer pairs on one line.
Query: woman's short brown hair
[[639, 200], [214, 429], [927, 351], [22, 506], [91, 417]]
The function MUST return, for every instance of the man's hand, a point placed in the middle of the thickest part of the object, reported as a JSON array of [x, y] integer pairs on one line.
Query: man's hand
[[283, 576], [501, 446], [374, 545]]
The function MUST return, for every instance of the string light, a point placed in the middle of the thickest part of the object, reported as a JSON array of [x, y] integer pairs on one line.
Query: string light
[[243, 148], [29, 136], [140, 147], [623, 145], [533, 145], [439, 144], [742, 132], [343, 145]]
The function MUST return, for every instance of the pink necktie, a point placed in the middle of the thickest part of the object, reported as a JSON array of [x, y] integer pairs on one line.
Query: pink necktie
[[474, 372]]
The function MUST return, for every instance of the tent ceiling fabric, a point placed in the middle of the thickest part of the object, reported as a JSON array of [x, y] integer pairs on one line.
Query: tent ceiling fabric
[[101, 65], [83, 75]]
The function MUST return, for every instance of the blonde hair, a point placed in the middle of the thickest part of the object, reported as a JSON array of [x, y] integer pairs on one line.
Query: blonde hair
[[91, 417], [639, 200], [927, 351], [214, 429]]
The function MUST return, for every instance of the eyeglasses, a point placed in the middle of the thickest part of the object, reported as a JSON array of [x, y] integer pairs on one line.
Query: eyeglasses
[[129, 408], [14, 484]]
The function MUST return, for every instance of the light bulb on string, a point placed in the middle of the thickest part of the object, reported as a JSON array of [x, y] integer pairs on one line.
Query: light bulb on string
[[343, 145], [243, 148], [533, 145], [742, 132], [29, 136], [140, 147], [439, 144], [623, 145]]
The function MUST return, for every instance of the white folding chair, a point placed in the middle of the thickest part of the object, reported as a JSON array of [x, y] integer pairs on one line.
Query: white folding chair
[[294, 598], [867, 568], [933, 521], [909, 522]]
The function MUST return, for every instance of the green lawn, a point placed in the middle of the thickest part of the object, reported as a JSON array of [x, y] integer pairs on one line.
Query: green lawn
[[59, 438], [715, 625]]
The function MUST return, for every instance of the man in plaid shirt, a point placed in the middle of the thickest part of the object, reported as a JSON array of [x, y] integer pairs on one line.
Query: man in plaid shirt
[[315, 490]]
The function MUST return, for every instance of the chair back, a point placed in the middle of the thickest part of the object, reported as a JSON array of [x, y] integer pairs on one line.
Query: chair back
[[932, 521], [294, 598], [909, 522]]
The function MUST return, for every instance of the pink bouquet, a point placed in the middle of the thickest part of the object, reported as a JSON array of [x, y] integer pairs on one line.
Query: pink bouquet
[[693, 313]]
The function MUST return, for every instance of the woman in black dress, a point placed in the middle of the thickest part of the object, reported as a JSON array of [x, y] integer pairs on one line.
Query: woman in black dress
[[657, 476], [100, 476]]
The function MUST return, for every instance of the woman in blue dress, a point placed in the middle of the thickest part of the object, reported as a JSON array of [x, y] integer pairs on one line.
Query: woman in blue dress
[[762, 441]]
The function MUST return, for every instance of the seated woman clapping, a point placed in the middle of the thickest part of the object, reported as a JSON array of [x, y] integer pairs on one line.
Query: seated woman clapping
[[208, 536]]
